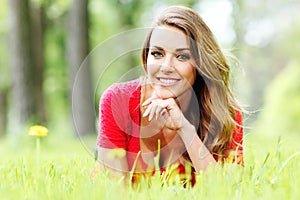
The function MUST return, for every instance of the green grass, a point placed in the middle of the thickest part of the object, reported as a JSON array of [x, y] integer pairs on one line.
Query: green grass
[[271, 171]]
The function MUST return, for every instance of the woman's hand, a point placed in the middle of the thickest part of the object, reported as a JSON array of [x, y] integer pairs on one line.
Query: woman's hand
[[169, 111], [164, 109]]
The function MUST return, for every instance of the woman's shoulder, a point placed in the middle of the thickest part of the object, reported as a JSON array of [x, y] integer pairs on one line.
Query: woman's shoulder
[[128, 86], [238, 131], [122, 89], [238, 117]]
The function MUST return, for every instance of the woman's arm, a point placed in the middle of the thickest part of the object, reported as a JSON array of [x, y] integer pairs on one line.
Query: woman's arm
[[200, 156], [113, 161], [111, 137], [168, 110]]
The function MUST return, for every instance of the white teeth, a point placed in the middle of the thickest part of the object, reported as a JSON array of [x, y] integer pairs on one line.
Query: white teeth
[[167, 81]]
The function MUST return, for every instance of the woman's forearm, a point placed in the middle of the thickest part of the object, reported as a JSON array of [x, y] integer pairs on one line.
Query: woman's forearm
[[117, 166], [200, 156]]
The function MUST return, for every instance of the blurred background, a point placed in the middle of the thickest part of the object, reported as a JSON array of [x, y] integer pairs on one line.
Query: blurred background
[[44, 42]]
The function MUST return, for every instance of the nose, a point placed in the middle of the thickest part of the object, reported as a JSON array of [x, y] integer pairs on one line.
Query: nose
[[167, 64]]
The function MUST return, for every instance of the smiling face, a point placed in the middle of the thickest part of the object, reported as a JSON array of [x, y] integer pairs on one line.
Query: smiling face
[[170, 68]]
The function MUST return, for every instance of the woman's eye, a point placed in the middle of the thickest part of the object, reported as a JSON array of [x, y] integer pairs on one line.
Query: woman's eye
[[183, 57], [156, 54]]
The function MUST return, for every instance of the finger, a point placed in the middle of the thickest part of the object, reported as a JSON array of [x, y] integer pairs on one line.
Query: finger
[[169, 104], [152, 111], [164, 114], [158, 112], [147, 102], [147, 111], [150, 99]]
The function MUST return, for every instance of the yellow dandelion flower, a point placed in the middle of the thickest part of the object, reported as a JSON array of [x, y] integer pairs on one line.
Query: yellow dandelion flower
[[116, 153], [39, 131]]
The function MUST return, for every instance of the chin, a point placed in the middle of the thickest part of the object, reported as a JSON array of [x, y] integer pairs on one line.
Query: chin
[[165, 93]]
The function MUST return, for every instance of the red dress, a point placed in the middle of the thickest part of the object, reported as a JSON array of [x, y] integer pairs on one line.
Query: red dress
[[119, 122]]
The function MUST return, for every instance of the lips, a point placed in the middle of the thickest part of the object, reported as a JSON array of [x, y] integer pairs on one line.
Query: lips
[[168, 81]]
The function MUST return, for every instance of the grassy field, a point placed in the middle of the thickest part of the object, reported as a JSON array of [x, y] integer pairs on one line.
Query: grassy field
[[62, 171]]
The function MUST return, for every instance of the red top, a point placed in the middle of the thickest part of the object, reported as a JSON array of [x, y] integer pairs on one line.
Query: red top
[[120, 122]]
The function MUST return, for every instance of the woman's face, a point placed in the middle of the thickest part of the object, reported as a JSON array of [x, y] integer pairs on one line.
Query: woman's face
[[170, 66]]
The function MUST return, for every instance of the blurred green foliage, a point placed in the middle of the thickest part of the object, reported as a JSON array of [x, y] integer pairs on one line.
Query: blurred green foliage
[[273, 61], [271, 68], [4, 78], [281, 113]]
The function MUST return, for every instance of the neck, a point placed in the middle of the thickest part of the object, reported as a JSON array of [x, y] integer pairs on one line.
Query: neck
[[184, 99]]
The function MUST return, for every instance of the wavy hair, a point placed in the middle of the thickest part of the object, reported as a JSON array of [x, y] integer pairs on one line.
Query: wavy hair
[[217, 104]]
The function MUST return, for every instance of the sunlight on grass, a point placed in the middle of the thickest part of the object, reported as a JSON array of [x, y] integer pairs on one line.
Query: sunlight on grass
[[271, 170]]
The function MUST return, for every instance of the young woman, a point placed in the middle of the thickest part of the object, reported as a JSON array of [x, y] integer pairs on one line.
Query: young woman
[[181, 112]]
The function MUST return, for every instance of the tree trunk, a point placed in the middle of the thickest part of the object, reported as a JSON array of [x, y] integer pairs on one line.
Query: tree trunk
[[3, 111], [38, 27], [80, 89], [24, 99]]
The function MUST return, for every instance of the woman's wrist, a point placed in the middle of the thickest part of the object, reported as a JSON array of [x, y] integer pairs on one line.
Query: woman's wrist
[[187, 132]]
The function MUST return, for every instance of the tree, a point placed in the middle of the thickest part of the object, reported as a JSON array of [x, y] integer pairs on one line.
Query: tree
[[38, 29], [4, 80], [80, 87], [24, 73], [3, 111]]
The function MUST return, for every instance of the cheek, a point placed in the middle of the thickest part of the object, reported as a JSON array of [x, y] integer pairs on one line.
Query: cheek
[[193, 72], [190, 74], [152, 70], [152, 67]]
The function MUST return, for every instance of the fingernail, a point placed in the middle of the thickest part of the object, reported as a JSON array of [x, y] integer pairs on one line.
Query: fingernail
[[150, 118]]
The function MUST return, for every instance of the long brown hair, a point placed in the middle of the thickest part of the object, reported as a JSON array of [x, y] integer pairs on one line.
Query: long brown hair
[[217, 105]]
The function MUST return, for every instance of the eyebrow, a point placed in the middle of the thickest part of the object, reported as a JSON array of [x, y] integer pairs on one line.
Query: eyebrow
[[179, 49]]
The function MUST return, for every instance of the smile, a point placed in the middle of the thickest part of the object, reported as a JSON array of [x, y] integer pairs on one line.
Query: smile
[[168, 81]]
